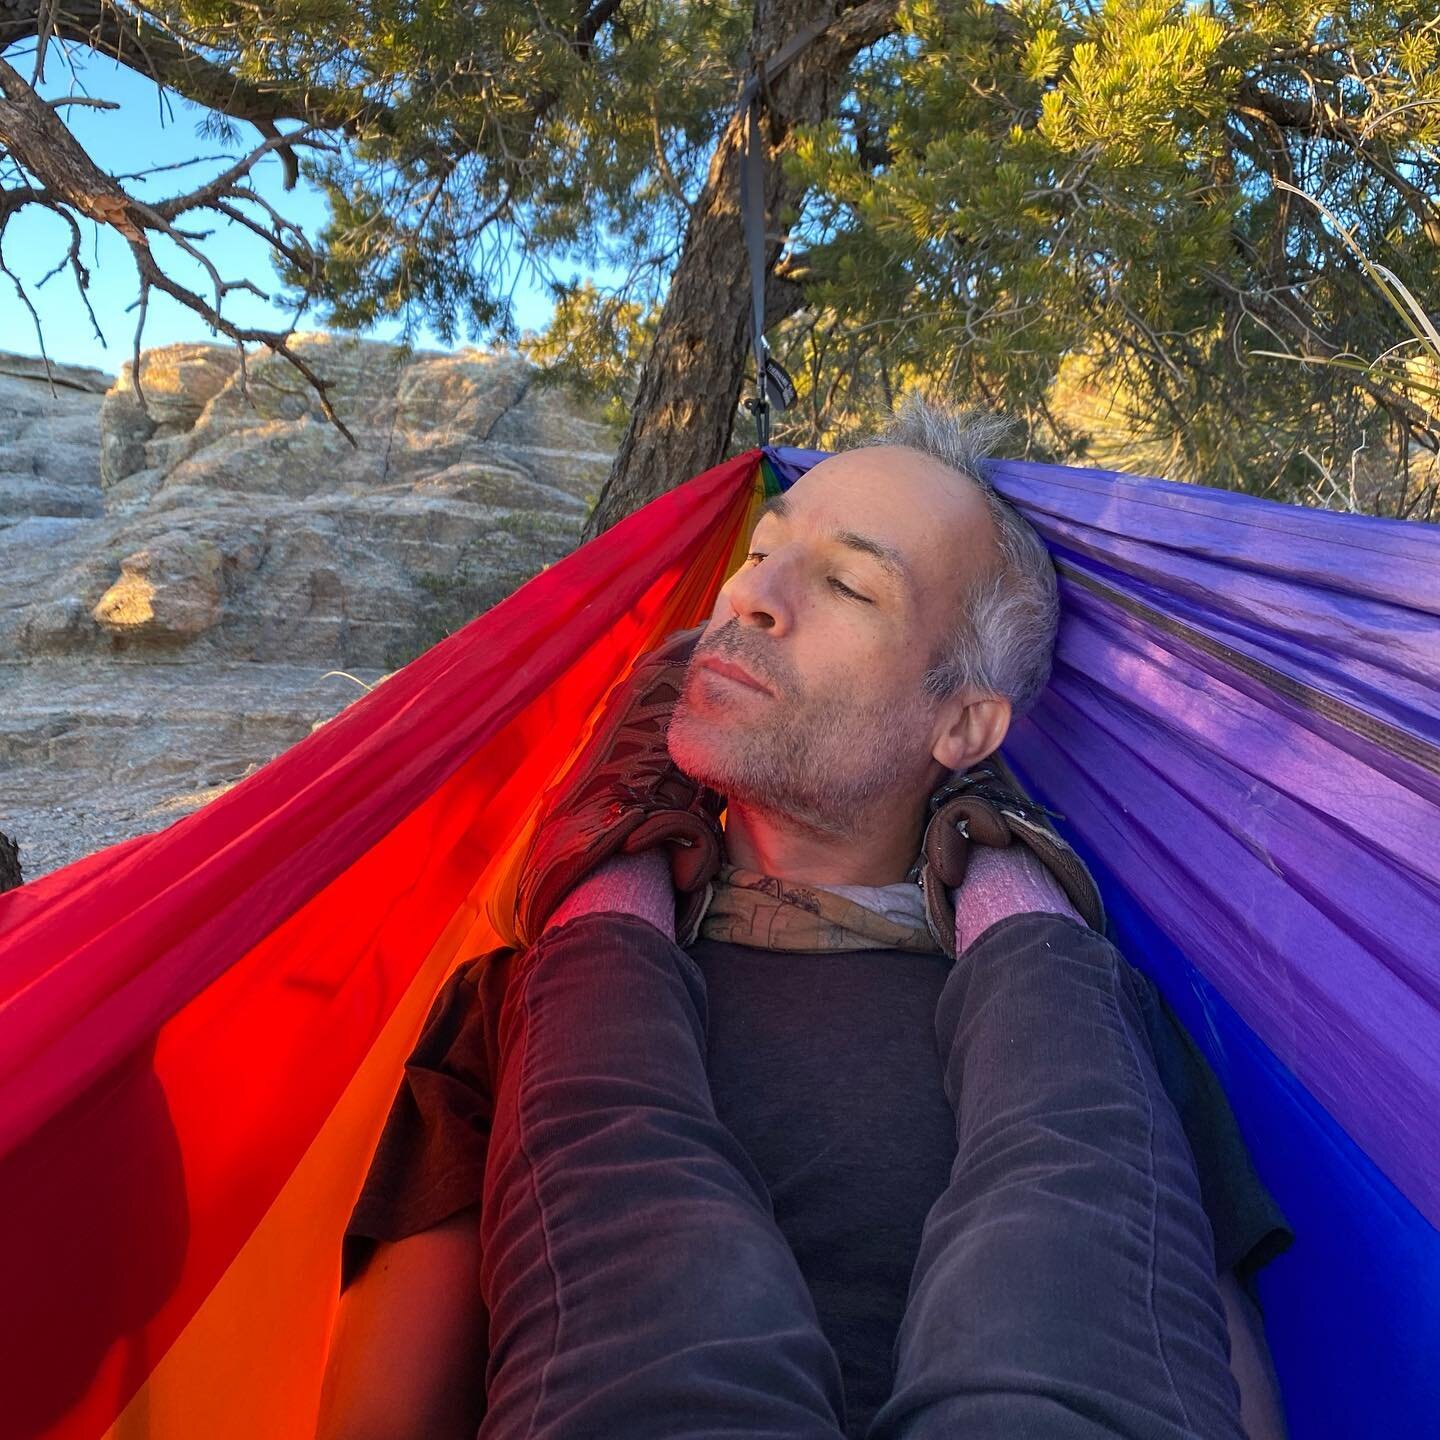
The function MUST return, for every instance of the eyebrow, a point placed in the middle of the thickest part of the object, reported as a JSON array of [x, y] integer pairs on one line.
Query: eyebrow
[[887, 557]]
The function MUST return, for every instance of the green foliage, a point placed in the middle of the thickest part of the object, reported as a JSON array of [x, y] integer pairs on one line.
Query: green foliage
[[1027, 202], [485, 130], [1071, 192], [594, 348]]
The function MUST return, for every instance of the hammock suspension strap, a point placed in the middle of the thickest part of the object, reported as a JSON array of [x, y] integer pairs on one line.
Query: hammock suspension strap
[[770, 376]]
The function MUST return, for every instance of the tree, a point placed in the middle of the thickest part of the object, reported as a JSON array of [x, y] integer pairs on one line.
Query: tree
[[1020, 200], [49, 169], [1108, 194], [10, 875]]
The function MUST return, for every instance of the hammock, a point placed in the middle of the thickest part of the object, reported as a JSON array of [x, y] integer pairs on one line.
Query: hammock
[[202, 1029]]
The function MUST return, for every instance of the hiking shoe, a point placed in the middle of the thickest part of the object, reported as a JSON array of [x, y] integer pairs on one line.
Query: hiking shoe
[[625, 794], [986, 806]]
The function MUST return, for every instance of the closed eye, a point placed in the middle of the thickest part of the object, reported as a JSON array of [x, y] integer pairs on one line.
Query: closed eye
[[838, 584]]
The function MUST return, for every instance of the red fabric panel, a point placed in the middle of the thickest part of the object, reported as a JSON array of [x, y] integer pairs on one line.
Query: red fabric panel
[[179, 1013]]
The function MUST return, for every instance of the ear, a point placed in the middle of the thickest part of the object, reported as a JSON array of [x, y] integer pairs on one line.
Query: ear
[[973, 729]]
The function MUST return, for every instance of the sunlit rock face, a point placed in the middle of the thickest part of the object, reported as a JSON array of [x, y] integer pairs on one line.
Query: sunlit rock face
[[264, 534], [179, 572], [170, 590]]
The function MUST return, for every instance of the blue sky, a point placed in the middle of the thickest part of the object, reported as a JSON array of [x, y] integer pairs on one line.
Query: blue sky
[[148, 131]]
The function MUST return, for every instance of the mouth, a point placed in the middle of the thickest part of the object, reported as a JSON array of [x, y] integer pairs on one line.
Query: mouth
[[727, 671]]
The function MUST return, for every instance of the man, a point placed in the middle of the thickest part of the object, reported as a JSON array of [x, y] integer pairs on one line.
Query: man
[[771, 1140]]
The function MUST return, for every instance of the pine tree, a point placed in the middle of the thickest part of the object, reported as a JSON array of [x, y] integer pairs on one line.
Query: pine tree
[[1086, 214]]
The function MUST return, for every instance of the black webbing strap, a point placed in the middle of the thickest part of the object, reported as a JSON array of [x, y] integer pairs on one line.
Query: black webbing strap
[[752, 209], [752, 213]]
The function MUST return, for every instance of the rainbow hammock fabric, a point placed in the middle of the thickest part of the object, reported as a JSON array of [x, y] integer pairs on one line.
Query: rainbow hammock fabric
[[202, 1029]]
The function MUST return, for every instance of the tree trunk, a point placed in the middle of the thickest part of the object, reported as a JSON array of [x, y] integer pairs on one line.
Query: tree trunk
[[10, 876], [689, 388]]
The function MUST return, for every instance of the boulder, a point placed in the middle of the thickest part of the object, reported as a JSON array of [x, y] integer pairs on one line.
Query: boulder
[[177, 382], [234, 521], [168, 591], [49, 464], [199, 572]]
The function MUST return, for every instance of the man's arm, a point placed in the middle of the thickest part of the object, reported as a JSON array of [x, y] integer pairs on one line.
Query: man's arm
[[408, 1353], [411, 1343], [1012, 881]]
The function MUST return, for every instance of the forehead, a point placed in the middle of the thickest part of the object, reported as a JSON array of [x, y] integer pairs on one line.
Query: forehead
[[912, 516], [890, 558]]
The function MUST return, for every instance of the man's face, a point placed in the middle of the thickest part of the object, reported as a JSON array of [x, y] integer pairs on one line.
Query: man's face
[[844, 725]]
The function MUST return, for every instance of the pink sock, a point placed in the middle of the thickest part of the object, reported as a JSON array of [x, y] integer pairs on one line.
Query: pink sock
[[637, 885], [1005, 882]]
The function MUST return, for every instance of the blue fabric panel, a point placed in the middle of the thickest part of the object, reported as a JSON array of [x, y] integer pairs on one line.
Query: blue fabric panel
[[1352, 1309]]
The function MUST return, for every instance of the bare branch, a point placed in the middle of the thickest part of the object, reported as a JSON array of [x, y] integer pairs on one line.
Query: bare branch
[[34, 316], [224, 183], [142, 44], [662, 164], [84, 100], [71, 181]]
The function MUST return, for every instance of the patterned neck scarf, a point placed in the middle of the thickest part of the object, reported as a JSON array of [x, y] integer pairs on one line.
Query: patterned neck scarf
[[748, 908]]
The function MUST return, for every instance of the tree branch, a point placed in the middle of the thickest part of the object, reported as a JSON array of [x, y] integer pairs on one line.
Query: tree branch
[[141, 44], [37, 140]]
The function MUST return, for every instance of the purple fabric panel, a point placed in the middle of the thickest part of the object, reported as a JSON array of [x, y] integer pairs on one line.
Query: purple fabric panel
[[1290, 848], [1323, 945], [1269, 609], [1239, 736], [1417, 781], [791, 463], [1294, 861], [1317, 634], [1394, 560]]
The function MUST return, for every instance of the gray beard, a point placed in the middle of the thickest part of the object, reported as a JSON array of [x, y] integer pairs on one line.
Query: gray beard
[[821, 766]]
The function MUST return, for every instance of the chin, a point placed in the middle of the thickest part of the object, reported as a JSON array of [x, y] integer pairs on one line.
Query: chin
[[685, 740]]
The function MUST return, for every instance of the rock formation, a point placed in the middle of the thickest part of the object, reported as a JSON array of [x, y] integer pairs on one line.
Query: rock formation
[[178, 573]]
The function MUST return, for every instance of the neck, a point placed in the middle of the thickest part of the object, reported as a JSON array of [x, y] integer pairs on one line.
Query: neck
[[878, 850]]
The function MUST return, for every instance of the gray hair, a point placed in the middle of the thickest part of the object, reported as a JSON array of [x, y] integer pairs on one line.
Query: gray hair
[[1003, 639]]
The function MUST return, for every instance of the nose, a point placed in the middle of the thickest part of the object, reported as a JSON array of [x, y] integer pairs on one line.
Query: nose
[[756, 595]]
